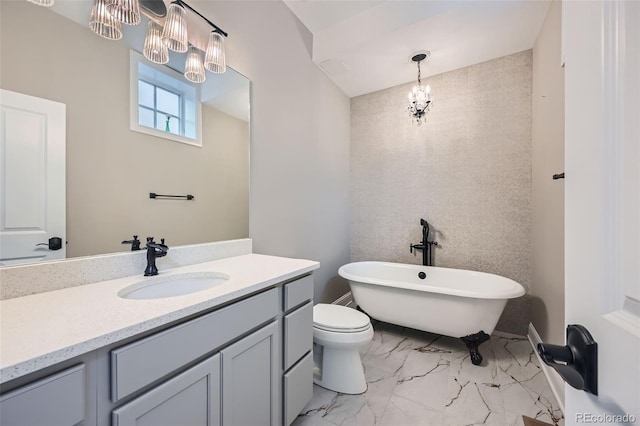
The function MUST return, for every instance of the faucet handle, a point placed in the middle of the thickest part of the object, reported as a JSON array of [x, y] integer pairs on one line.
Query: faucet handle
[[416, 247], [135, 243]]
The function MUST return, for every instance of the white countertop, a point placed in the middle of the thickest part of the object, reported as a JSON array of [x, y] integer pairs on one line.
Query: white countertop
[[43, 329]]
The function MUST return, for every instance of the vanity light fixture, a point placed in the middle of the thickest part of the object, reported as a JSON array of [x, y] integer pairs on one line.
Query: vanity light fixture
[[194, 68], [107, 17], [419, 96], [103, 23]]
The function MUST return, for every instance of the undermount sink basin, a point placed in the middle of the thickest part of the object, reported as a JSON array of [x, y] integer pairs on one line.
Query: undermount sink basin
[[171, 285]]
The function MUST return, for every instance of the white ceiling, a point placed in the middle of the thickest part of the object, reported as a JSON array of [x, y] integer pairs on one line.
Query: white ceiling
[[365, 45]]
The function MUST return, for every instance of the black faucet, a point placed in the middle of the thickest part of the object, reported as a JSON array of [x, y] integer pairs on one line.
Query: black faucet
[[425, 245], [135, 243], [154, 250]]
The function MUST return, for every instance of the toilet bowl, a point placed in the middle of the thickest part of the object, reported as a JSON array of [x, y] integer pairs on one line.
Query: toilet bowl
[[338, 333]]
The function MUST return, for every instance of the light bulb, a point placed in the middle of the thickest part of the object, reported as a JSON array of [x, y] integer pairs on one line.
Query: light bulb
[[193, 67], [214, 59], [154, 48], [174, 33], [125, 11]]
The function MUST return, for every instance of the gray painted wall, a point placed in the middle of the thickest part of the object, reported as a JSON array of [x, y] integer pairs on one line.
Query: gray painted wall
[[299, 202], [467, 171], [547, 202]]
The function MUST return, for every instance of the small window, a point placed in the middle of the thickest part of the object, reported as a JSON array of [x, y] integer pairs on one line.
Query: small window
[[163, 103], [159, 108]]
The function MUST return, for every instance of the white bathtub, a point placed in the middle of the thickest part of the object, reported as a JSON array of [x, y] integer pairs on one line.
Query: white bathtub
[[453, 302]]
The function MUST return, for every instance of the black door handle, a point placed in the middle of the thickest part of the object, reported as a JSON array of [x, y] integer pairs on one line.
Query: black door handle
[[577, 362], [55, 243]]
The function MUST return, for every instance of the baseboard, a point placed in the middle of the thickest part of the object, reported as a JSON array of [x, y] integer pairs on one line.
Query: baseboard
[[555, 381], [345, 300], [507, 335]]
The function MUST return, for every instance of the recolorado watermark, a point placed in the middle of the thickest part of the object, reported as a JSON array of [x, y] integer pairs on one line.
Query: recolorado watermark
[[605, 418]]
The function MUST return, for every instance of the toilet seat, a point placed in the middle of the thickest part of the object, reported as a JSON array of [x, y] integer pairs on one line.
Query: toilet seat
[[339, 319]]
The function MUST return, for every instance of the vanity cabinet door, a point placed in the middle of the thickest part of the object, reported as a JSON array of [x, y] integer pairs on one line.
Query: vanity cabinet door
[[250, 385], [55, 400], [190, 399]]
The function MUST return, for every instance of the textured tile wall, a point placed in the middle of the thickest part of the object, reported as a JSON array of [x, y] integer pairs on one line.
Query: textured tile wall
[[467, 171]]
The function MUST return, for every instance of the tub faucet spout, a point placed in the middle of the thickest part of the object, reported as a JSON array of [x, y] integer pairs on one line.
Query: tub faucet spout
[[425, 245]]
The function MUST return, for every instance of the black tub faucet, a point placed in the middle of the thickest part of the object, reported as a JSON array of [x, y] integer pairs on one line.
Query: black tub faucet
[[135, 243], [154, 250], [425, 244]]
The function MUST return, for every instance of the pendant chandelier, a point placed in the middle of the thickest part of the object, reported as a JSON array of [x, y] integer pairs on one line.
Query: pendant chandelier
[[419, 96], [107, 17]]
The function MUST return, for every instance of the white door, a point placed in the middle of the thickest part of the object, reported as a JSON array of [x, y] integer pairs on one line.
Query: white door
[[32, 178], [602, 207]]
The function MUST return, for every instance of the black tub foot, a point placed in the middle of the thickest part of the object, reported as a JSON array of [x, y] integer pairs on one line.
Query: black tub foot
[[472, 342]]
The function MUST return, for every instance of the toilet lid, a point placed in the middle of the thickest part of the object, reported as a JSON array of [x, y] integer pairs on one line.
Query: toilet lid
[[339, 318]]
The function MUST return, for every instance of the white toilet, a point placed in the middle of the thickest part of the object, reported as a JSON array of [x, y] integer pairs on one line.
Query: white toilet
[[338, 333]]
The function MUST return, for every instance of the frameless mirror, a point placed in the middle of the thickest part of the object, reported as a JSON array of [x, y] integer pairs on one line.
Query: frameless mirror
[[110, 169]]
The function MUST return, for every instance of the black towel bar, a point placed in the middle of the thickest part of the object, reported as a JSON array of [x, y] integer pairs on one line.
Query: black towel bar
[[186, 197]]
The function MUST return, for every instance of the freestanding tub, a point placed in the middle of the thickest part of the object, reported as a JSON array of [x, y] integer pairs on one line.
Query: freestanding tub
[[453, 302]]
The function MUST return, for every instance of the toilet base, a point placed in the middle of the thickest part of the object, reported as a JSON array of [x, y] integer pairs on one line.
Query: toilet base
[[345, 373]]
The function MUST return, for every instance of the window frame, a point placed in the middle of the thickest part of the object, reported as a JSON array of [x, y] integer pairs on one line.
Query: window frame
[[156, 109], [134, 123]]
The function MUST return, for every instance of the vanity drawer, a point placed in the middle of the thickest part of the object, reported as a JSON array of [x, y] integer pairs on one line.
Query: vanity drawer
[[298, 334], [169, 350], [190, 398], [55, 400], [298, 292], [298, 388]]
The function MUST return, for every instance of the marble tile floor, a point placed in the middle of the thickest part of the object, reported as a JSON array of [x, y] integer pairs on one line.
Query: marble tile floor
[[417, 378]]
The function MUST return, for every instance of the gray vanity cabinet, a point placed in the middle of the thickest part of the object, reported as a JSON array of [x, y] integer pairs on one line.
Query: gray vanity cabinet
[[250, 370], [248, 363], [237, 386], [191, 398]]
